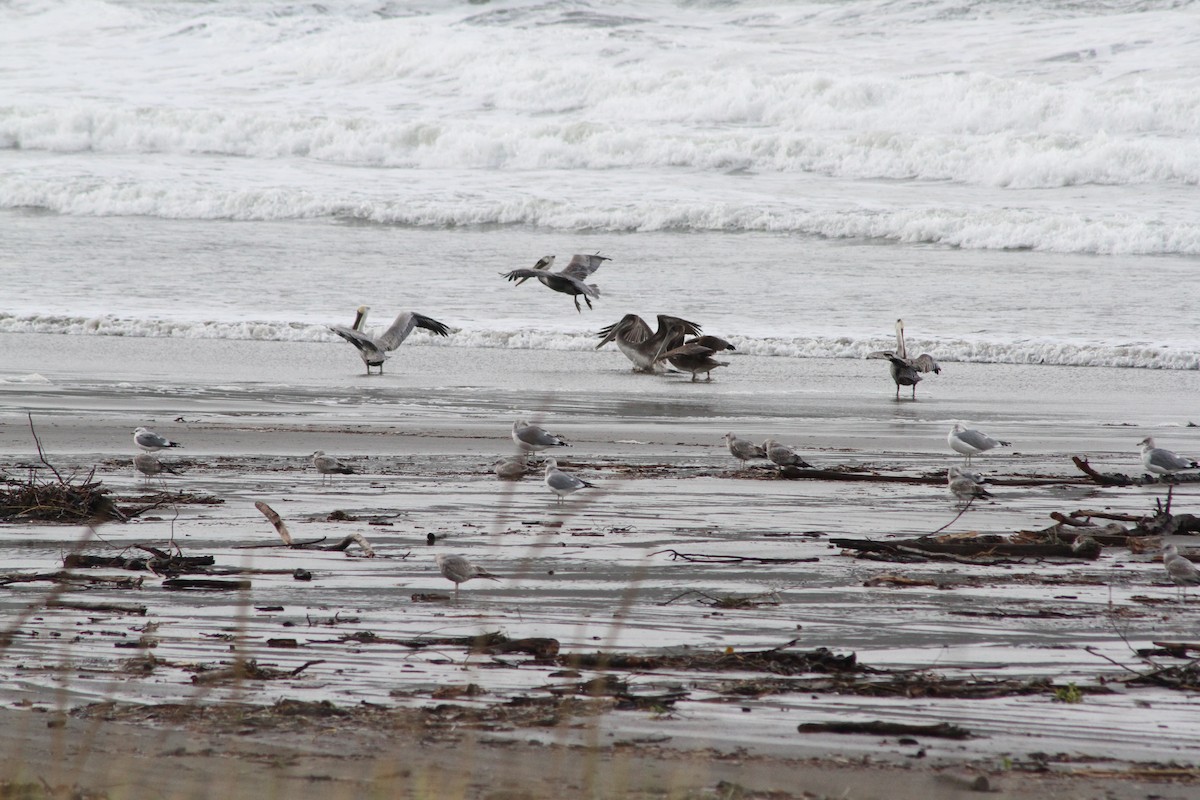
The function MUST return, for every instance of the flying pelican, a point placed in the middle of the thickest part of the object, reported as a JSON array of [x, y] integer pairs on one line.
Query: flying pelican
[[563, 483], [971, 442], [1180, 569], [458, 569], [1163, 462], [643, 347], [906, 371], [328, 466], [743, 449], [150, 441], [568, 280], [783, 455], [374, 350], [531, 438], [966, 486], [696, 356]]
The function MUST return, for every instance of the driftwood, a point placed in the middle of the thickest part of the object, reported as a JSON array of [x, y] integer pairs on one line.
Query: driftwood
[[100, 608], [161, 563], [705, 558], [941, 730], [71, 579], [249, 670], [286, 536], [1121, 479], [988, 545], [727, 601], [490, 643], [204, 584], [778, 661], [795, 473]]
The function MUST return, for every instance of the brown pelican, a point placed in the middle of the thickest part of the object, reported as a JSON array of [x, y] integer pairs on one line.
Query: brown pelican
[[906, 371], [971, 442], [374, 350], [563, 483], [568, 280], [643, 347], [458, 569], [696, 356], [328, 466], [150, 441]]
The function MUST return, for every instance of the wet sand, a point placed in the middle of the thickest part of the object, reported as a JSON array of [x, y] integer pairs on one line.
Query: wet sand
[[596, 573]]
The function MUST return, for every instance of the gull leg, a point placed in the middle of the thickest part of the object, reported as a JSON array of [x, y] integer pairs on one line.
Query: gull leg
[[587, 300], [577, 308]]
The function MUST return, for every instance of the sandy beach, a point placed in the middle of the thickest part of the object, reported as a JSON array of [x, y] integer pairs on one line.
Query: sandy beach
[[638, 566]]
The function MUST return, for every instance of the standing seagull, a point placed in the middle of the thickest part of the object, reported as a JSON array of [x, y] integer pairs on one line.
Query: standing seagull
[[374, 350], [1180, 570], [696, 356], [643, 347], [150, 441], [149, 465], [743, 449], [971, 442], [531, 438], [563, 483], [458, 569], [783, 455], [1163, 462], [966, 486], [906, 371], [568, 280], [328, 466]]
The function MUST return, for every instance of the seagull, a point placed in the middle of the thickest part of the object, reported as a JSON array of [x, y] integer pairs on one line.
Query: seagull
[[743, 449], [783, 455], [563, 483], [458, 569], [696, 356], [328, 466], [965, 485], [1163, 462], [1180, 569], [150, 441], [643, 347], [374, 350], [906, 371], [531, 438], [149, 465], [971, 442], [568, 280], [512, 468]]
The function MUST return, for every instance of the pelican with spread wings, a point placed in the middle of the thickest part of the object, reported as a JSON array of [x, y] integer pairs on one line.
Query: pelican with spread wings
[[374, 350], [906, 371], [568, 280], [643, 346], [696, 355]]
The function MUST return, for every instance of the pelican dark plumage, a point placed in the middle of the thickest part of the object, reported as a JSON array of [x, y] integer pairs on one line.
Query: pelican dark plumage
[[374, 350], [906, 371], [569, 280], [696, 355], [643, 346]]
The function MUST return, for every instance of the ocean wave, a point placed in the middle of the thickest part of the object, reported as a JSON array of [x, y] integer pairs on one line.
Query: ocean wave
[[1026, 351]]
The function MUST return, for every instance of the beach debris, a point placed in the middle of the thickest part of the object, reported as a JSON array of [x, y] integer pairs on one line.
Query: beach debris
[[490, 643], [62, 500], [65, 578], [962, 549], [458, 569], [940, 730], [158, 562], [706, 558], [315, 544], [249, 670], [205, 584], [728, 601], [906, 371]]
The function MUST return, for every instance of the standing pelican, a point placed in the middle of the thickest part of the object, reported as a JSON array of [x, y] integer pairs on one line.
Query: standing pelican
[[1180, 569], [458, 569], [563, 483], [150, 441], [966, 486], [531, 438], [568, 280], [971, 442], [374, 350], [643, 347], [696, 356], [328, 466], [906, 371], [1163, 463]]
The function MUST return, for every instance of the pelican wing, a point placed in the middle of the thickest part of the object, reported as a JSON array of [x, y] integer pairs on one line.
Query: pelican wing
[[522, 275], [689, 349], [667, 323], [632, 329], [888, 354], [368, 348], [403, 326], [582, 265], [925, 363], [713, 343]]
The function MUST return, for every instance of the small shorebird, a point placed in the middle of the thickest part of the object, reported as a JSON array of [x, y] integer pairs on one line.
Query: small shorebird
[[531, 438], [563, 483], [150, 441], [906, 371], [328, 466], [642, 346], [1180, 570], [374, 350], [971, 442], [568, 280], [783, 455], [149, 465], [458, 569], [743, 449], [966, 486], [1163, 463]]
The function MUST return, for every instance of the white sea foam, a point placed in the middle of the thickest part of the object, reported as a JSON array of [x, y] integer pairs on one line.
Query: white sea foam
[[949, 350]]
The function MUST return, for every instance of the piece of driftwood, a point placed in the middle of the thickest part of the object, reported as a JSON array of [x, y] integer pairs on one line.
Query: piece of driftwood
[[204, 584], [164, 564], [779, 661], [491, 643], [940, 730], [98, 608], [705, 558], [796, 473], [286, 536], [1120, 479], [249, 670], [71, 579], [726, 601], [986, 545]]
